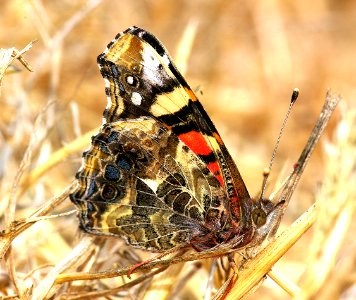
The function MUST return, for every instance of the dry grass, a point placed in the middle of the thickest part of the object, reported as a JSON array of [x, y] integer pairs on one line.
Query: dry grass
[[246, 57]]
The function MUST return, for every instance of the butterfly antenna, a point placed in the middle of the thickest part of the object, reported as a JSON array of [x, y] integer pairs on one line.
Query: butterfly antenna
[[267, 171]]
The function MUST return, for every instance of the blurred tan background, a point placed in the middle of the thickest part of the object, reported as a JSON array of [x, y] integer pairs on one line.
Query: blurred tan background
[[246, 58]]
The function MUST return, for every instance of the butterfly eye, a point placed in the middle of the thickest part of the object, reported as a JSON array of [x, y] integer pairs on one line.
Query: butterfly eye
[[132, 80], [259, 217]]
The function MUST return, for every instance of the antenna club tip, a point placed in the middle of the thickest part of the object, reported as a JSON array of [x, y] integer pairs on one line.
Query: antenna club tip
[[295, 95], [266, 172]]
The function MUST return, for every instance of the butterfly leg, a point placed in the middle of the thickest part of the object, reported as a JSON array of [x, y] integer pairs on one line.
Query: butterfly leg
[[232, 262], [227, 286]]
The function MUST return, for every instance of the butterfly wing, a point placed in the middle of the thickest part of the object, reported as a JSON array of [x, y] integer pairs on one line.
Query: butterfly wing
[[158, 173], [133, 184], [142, 80]]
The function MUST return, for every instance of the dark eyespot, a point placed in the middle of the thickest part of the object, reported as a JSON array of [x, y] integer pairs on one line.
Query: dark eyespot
[[108, 192], [123, 162], [112, 173]]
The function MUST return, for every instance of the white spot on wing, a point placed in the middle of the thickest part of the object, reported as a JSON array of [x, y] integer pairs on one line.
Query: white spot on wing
[[153, 184], [151, 63], [166, 59], [130, 80], [136, 98]]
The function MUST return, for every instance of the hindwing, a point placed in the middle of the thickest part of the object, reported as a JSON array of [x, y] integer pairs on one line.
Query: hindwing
[[139, 181]]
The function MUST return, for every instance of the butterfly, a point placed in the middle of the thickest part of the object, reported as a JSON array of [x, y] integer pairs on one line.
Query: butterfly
[[158, 173]]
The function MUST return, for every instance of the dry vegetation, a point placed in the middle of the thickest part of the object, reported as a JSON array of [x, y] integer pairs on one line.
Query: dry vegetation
[[245, 57]]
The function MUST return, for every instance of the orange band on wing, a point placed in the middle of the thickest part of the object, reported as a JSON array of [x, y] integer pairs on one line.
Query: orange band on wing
[[196, 142], [215, 169], [191, 94], [218, 138]]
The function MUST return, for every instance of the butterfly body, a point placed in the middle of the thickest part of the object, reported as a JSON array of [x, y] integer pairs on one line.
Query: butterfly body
[[158, 174]]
